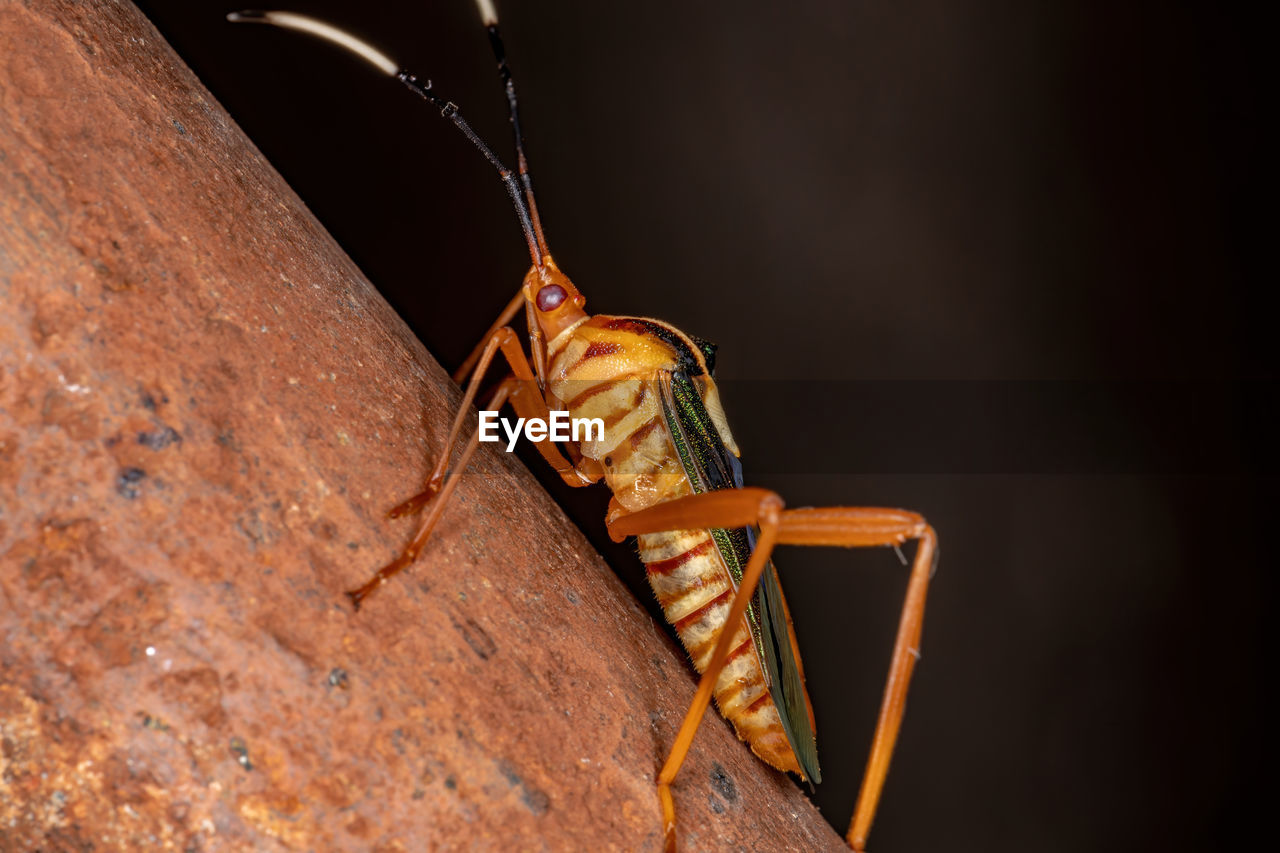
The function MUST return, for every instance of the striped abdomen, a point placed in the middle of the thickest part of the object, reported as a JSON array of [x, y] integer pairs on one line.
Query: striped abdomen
[[607, 368]]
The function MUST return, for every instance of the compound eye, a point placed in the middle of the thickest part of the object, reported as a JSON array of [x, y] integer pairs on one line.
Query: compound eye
[[550, 297]]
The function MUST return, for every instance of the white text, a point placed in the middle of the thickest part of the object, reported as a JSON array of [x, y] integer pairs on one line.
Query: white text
[[560, 428]]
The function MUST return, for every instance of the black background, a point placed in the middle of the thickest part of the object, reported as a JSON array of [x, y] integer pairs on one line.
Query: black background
[[929, 238]]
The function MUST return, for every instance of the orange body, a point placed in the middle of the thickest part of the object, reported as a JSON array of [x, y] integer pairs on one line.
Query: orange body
[[607, 368]]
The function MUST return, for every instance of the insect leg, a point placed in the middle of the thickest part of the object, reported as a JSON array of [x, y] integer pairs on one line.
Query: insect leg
[[526, 404], [522, 391], [729, 508], [428, 524], [507, 315], [503, 339], [853, 527], [832, 526]]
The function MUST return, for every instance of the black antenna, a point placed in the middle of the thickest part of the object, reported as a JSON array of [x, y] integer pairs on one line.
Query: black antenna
[[489, 16], [519, 192]]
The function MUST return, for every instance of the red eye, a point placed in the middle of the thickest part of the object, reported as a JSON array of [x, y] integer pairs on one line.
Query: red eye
[[550, 297]]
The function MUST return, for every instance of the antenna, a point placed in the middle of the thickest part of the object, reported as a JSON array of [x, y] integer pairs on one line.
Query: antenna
[[521, 192], [489, 17]]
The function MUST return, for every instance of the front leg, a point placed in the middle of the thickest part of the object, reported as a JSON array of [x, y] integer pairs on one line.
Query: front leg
[[521, 390], [508, 314]]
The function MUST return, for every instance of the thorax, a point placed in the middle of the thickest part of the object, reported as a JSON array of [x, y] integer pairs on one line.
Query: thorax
[[610, 368]]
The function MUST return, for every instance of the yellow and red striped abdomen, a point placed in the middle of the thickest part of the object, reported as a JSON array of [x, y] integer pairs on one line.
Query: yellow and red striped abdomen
[[608, 368]]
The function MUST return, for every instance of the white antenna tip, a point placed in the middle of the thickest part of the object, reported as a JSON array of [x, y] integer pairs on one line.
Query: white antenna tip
[[304, 24], [488, 14]]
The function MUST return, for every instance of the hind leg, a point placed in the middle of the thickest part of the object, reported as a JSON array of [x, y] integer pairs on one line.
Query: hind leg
[[832, 526]]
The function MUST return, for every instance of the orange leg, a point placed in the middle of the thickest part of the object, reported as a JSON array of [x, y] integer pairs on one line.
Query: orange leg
[[508, 313], [521, 390], [836, 526], [525, 399]]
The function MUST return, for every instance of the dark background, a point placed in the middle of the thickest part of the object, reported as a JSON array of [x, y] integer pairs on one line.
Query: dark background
[[947, 251]]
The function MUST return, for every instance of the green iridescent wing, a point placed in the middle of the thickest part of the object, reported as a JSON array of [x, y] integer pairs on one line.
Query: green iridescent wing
[[710, 466]]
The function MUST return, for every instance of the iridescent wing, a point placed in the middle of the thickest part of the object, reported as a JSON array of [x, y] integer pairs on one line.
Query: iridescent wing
[[710, 466]]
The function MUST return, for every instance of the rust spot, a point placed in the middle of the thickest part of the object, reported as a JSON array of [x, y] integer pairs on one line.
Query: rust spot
[[477, 638], [196, 691], [128, 783], [153, 723], [119, 630], [241, 752], [534, 799], [75, 414], [159, 438], [10, 461], [127, 482], [361, 828], [722, 783]]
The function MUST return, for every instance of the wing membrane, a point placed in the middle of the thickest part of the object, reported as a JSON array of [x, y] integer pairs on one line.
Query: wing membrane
[[710, 467]]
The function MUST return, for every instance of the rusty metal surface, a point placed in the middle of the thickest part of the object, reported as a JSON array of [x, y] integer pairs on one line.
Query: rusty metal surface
[[205, 411]]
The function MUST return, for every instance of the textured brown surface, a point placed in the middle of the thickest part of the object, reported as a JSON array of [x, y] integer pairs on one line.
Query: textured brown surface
[[204, 412]]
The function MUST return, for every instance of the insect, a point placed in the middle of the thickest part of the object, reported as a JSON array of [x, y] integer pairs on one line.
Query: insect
[[670, 460]]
